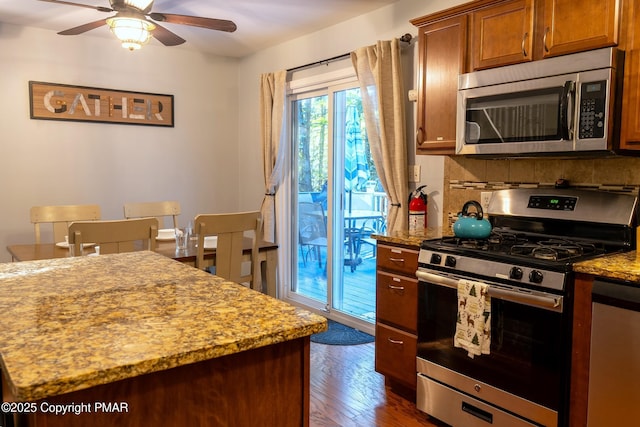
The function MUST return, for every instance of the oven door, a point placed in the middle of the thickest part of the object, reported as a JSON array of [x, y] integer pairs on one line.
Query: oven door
[[529, 351]]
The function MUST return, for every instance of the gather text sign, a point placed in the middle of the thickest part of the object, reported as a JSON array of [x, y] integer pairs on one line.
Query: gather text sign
[[52, 101]]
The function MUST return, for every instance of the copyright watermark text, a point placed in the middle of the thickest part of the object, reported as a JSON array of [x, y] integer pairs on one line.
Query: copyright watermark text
[[64, 408]]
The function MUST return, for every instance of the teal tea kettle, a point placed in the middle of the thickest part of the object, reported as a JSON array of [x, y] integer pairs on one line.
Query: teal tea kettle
[[472, 225]]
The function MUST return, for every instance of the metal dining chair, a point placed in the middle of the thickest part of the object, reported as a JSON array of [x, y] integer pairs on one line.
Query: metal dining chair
[[114, 236], [312, 231], [159, 210], [230, 230], [60, 216]]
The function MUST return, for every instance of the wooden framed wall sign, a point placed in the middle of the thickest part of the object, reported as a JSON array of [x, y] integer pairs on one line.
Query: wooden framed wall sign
[[52, 101]]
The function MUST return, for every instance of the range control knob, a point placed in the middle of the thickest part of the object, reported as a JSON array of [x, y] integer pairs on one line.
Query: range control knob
[[435, 259], [535, 276], [450, 261], [515, 273]]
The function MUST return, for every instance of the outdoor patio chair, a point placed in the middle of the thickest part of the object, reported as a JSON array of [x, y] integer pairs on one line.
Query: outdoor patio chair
[[312, 231]]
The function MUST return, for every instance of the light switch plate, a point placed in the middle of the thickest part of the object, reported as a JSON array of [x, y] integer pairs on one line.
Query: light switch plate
[[415, 173]]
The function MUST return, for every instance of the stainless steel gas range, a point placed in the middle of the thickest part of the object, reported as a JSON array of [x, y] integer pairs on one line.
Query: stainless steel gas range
[[494, 335]]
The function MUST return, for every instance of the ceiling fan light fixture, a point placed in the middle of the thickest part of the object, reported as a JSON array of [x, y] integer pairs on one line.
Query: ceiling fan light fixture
[[132, 32], [139, 4]]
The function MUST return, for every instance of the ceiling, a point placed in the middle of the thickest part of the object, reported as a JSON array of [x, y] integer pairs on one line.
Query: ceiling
[[261, 23]]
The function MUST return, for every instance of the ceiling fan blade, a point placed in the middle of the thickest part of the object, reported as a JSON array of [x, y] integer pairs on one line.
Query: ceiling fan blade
[[82, 28], [195, 21], [98, 8], [166, 37]]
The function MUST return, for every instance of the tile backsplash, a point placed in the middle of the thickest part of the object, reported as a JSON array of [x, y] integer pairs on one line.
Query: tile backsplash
[[465, 178]]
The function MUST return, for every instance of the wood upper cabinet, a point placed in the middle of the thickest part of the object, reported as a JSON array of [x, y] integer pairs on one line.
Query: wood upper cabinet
[[502, 34], [630, 118], [514, 31], [442, 55], [570, 26], [484, 34], [630, 121]]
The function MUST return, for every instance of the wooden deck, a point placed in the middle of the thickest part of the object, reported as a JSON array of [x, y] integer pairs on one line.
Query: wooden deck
[[359, 290]]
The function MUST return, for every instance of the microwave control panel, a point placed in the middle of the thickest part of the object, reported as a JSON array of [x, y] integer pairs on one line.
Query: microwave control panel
[[592, 109]]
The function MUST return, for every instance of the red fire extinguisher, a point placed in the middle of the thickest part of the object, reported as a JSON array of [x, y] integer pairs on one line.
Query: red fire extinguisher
[[418, 209]]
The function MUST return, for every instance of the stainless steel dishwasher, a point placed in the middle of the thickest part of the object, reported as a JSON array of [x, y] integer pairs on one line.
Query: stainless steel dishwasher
[[614, 373]]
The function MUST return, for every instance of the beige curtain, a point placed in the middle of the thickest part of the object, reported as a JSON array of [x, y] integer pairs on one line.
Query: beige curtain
[[379, 72], [272, 96]]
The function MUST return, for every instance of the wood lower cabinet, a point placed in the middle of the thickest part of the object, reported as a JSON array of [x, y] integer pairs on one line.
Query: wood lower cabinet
[[396, 314], [442, 57]]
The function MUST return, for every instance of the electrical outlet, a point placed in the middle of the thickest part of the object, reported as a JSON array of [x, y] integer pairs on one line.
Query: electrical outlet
[[415, 173], [485, 196]]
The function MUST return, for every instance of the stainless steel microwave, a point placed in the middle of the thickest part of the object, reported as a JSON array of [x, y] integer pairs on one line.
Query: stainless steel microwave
[[557, 105]]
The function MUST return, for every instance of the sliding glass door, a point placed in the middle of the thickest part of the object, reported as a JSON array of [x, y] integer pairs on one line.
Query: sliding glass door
[[337, 205]]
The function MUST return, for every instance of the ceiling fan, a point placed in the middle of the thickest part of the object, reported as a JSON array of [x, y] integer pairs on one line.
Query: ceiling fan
[[131, 26]]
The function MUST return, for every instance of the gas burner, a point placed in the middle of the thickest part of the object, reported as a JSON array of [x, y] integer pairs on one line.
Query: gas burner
[[464, 243], [499, 237], [553, 249]]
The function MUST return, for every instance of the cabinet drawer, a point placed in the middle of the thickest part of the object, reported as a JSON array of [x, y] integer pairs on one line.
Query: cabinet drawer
[[397, 259], [397, 300], [396, 354]]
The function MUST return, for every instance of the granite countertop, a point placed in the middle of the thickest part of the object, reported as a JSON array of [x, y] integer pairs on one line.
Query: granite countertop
[[623, 266], [74, 323], [407, 238]]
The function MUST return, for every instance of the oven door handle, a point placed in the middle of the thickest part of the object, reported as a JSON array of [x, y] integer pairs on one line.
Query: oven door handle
[[551, 302]]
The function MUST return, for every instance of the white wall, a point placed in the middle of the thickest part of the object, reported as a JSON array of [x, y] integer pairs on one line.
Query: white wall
[[382, 24], [210, 161], [54, 162]]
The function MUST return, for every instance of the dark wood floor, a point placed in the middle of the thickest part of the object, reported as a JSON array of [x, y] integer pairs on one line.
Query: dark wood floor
[[347, 392]]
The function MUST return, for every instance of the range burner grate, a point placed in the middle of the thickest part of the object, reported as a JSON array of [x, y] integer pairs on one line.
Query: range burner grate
[[526, 246], [554, 249]]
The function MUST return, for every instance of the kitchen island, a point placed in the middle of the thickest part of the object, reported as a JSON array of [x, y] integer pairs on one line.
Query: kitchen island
[[138, 339]]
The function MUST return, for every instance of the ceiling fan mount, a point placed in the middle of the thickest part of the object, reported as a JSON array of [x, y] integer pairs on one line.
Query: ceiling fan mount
[[134, 23]]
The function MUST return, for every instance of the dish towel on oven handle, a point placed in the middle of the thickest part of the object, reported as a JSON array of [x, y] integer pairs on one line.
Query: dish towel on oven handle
[[473, 323]]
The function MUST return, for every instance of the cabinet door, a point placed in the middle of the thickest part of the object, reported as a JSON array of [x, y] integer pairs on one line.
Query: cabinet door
[[397, 301], [574, 26], [630, 123], [441, 59], [502, 34], [396, 353], [397, 259]]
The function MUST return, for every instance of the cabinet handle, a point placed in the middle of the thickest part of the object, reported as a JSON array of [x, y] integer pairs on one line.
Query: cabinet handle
[[392, 341], [396, 288], [524, 40], [419, 136], [544, 39], [396, 259]]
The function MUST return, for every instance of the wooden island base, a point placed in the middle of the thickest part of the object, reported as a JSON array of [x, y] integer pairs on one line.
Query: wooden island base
[[267, 386]]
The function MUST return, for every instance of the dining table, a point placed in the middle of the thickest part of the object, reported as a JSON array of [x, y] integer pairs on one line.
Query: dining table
[[355, 222], [267, 256]]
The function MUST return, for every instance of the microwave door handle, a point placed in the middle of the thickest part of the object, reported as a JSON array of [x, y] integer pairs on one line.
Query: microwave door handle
[[565, 103]]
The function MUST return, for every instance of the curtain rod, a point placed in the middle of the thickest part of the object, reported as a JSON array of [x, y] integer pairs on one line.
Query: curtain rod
[[405, 38]]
